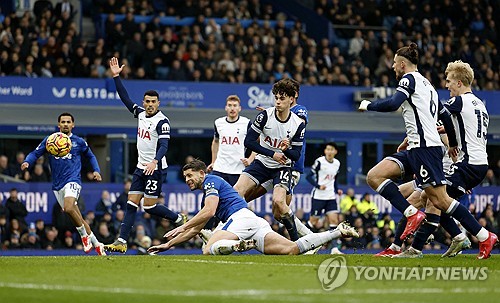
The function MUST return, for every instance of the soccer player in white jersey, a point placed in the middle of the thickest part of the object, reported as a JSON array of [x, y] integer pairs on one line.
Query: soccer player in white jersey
[[420, 104], [66, 180], [153, 133], [323, 176], [281, 135], [241, 229], [471, 119], [228, 148]]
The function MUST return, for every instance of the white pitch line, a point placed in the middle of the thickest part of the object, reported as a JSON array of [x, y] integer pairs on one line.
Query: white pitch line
[[254, 294], [300, 265]]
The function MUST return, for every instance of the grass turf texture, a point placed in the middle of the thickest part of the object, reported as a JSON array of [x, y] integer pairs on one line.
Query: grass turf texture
[[236, 278]]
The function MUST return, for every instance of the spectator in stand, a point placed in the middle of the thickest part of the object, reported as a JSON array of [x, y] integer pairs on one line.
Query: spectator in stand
[[348, 201], [490, 179], [69, 242], [104, 205], [17, 209], [39, 174], [4, 165], [121, 201], [51, 241]]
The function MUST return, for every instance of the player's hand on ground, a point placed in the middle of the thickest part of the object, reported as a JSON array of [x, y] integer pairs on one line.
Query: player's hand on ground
[[284, 144], [245, 161], [210, 167], [158, 248], [25, 165], [280, 158], [363, 106], [115, 67], [97, 176], [150, 168], [174, 232]]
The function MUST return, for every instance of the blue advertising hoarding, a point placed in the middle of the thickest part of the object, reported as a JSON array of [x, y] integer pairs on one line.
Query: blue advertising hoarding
[[102, 92], [40, 200]]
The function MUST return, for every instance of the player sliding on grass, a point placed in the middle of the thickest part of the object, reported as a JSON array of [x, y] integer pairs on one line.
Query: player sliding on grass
[[241, 229]]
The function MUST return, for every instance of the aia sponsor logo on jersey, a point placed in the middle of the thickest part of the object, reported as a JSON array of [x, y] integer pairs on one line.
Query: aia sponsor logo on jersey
[[329, 177], [273, 142], [230, 140], [143, 134]]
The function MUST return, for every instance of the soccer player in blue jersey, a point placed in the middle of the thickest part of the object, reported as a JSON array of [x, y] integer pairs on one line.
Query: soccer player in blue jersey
[[66, 181], [241, 229], [153, 133], [281, 137], [421, 106]]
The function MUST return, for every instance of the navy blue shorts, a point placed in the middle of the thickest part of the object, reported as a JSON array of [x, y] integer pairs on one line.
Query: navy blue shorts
[[230, 178], [401, 159], [427, 164], [150, 185], [259, 173], [463, 177], [317, 207]]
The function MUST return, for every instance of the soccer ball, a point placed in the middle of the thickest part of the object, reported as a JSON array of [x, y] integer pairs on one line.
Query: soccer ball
[[58, 144]]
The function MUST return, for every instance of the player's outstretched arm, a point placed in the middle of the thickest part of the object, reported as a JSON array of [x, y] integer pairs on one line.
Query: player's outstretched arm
[[122, 92]]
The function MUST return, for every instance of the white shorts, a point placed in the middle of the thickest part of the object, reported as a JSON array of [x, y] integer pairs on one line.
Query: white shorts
[[246, 225], [71, 189]]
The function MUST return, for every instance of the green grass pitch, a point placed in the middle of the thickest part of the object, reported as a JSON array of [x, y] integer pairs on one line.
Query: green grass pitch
[[235, 278]]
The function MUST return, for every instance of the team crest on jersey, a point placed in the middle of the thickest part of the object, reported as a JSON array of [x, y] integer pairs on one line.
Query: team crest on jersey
[[143, 134], [230, 140], [302, 113], [165, 128], [404, 82]]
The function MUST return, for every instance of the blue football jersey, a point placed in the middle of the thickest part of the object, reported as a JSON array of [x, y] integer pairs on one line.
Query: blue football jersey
[[229, 199], [65, 169], [300, 111]]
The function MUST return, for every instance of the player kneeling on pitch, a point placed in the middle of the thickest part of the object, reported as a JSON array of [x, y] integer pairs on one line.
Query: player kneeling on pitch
[[242, 229]]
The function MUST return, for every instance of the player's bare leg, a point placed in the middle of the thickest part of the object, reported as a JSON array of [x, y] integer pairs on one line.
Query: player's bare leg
[[244, 184], [275, 244], [222, 242]]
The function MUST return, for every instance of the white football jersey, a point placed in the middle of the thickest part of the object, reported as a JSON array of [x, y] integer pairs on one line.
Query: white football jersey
[[471, 120], [272, 132], [325, 173], [420, 110], [149, 130], [231, 136]]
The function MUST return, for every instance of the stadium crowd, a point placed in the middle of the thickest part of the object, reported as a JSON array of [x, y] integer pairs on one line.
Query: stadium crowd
[[46, 42]]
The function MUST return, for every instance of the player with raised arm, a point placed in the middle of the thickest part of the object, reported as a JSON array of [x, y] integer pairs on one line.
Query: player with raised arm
[[66, 180], [153, 134], [281, 135], [228, 149], [421, 106], [323, 178], [241, 229], [471, 119]]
